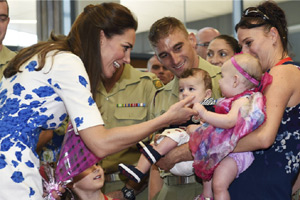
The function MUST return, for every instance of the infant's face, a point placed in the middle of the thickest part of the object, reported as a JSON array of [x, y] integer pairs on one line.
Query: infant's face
[[227, 81], [192, 85]]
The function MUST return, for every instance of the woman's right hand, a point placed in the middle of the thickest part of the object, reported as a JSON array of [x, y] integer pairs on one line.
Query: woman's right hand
[[179, 112]]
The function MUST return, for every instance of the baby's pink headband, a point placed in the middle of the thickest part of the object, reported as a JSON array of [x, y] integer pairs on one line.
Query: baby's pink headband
[[243, 72]]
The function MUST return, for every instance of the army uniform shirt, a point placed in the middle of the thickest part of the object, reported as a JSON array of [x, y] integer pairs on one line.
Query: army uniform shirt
[[5, 56], [125, 104]]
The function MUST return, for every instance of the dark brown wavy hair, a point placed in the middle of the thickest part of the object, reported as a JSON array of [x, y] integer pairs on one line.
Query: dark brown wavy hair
[[231, 41], [276, 19], [83, 39]]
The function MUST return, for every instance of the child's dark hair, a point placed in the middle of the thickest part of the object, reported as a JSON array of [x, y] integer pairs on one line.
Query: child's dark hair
[[197, 71]]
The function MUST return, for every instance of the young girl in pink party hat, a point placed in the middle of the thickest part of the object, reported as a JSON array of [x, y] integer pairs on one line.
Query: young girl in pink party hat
[[74, 159], [87, 185]]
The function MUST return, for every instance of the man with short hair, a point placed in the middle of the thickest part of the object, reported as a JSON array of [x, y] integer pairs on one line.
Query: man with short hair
[[5, 54], [175, 49], [204, 36], [154, 66]]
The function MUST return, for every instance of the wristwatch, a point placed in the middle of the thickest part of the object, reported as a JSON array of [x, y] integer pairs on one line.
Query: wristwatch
[[128, 193]]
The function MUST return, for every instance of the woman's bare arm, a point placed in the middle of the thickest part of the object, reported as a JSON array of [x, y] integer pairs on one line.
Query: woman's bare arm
[[103, 142], [283, 92]]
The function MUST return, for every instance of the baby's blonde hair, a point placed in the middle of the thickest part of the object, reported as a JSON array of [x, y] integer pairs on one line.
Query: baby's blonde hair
[[251, 65]]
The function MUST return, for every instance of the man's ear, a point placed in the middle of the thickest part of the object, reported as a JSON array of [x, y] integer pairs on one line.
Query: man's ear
[[192, 39], [172, 75]]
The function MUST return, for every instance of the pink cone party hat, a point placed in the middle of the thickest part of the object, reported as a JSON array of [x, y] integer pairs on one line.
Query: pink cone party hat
[[75, 157]]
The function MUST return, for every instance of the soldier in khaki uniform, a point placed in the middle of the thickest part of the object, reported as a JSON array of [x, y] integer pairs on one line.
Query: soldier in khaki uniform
[[175, 49], [5, 54], [124, 100]]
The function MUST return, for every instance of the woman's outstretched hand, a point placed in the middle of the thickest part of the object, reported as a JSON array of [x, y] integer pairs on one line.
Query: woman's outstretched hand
[[181, 111]]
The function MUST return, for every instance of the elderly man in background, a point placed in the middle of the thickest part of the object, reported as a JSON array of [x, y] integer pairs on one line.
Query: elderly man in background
[[204, 36], [159, 70]]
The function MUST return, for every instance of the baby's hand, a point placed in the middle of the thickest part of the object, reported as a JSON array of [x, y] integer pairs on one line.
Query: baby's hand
[[200, 109]]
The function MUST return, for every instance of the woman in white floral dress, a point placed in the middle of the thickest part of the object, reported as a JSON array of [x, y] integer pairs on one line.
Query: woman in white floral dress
[[50, 80]]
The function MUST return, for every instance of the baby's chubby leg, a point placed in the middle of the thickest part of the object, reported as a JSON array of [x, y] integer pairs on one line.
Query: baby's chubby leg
[[223, 176], [165, 145], [151, 154], [207, 189]]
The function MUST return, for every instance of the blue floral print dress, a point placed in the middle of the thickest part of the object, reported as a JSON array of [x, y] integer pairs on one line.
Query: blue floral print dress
[[274, 170], [31, 101]]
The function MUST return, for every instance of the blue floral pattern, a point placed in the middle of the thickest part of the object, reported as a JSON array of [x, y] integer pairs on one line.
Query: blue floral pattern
[[44, 91], [79, 121], [17, 177], [83, 81], [31, 66], [91, 101], [18, 89], [33, 100], [276, 167]]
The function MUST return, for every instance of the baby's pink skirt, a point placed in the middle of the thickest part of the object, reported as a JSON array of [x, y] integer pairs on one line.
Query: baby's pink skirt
[[243, 160]]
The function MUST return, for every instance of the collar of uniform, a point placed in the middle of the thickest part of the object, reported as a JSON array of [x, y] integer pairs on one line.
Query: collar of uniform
[[173, 86], [6, 54], [213, 70], [129, 76]]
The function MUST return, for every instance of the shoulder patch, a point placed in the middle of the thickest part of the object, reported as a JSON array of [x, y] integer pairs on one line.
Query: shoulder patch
[[158, 84]]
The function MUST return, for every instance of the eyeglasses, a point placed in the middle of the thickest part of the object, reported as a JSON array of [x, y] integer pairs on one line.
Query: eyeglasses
[[205, 44], [254, 12]]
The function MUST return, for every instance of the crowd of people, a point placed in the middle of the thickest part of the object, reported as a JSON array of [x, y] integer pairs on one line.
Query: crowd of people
[[214, 118]]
